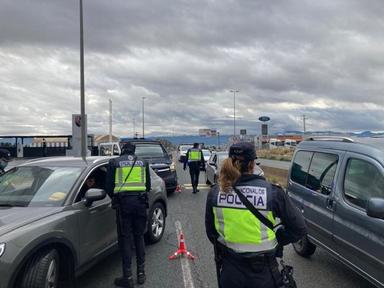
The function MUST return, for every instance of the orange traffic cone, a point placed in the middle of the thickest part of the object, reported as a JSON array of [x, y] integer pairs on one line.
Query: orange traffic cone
[[182, 250], [178, 189]]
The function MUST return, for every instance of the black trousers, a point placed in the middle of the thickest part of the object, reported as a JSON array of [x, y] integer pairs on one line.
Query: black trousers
[[194, 171], [131, 218], [250, 274]]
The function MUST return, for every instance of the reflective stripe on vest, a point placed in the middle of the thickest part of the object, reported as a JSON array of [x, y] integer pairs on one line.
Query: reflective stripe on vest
[[241, 231], [135, 181], [194, 155]]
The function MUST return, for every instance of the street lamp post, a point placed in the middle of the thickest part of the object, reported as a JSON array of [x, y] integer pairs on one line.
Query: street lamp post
[[234, 91], [143, 113], [82, 101], [110, 120]]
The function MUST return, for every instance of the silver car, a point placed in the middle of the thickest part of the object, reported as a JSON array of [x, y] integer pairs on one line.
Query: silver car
[[213, 166], [52, 227]]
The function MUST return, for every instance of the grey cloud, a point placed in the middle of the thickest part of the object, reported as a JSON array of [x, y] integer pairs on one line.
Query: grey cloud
[[184, 57]]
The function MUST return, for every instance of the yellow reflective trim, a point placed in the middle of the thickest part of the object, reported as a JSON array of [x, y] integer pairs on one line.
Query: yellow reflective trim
[[130, 189]]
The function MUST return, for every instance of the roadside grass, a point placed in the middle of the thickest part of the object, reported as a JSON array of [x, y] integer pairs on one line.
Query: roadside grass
[[276, 175], [281, 154]]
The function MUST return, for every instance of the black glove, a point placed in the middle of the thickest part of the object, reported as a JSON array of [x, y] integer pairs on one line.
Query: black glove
[[281, 236]]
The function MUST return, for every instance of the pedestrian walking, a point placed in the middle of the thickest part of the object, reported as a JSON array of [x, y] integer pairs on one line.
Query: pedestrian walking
[[245, 248], [5, 158], [128, 182], [195, 159]]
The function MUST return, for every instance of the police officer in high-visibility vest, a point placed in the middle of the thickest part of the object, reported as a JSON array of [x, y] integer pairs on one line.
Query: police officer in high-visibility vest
[[195, 160], [247, 248], [128, 182], [5, 158]]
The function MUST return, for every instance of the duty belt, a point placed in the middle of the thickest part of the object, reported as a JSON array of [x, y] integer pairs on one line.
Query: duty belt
[[250, 258]]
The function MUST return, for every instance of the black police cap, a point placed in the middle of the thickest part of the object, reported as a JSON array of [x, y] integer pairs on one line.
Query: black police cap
[[242, 151], [5, 155]]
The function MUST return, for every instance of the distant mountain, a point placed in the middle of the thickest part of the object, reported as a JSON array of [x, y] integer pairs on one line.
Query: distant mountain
[[368, 134]]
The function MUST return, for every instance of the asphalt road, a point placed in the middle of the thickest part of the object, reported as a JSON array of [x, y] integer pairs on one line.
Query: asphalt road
[[320, 271]]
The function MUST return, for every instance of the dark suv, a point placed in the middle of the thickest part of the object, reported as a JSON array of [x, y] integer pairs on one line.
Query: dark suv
[[159, 159], [339, 186]]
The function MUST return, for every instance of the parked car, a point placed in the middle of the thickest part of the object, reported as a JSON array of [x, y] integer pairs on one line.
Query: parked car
[[213, 166], [182, 151], [338, 184], [159, 159], [109, 149], [206, 154], [52, 227]]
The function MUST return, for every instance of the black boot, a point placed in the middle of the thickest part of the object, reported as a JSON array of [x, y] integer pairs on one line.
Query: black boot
[[140, 274], [194, 189], [126, 280]]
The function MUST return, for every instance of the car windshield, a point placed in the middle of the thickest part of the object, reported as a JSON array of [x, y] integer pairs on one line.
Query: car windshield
[[149, 150], [37, 186], [206, 153]]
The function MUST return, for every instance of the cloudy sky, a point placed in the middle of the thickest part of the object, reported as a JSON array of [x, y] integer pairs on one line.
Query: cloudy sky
[[322, 59]]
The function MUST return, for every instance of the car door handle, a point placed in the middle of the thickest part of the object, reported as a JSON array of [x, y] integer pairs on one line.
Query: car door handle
[[330, 204]]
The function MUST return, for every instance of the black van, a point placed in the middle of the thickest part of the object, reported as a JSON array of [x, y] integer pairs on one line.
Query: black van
[[159, 159]]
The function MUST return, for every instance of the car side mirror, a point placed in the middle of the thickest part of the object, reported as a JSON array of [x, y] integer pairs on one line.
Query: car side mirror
[[325, 190], [94, 194], [375, 208]]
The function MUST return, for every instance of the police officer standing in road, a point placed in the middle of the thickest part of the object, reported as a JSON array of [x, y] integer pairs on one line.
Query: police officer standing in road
[[5, 157], [128, 182], [248, 247], [195, 160]]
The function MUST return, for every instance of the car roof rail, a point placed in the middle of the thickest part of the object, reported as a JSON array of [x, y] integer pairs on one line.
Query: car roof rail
[[330, 138]]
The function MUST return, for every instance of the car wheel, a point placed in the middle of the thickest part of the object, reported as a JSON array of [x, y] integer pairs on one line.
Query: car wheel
[[207, 181], [156, 223], [303, 247], [42, 270], [215, 179]]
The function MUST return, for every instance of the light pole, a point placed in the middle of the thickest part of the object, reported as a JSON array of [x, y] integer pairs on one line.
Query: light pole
[[110, 120], [234, 91], [143, 113], [82, 101]]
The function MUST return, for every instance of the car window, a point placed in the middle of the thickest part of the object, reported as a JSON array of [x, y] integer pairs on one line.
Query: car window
[[95, 179], [149, 150], [105, 150], [37, 186], [321, 172], [362, 181], [300, 166], [221, 157]]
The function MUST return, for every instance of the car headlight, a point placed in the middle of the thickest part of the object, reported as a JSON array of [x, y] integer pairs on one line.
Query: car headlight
[[2, 249], [172, 166]]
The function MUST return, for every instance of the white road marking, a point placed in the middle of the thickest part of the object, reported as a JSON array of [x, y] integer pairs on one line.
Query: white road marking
[[202, 186], [186, 269]]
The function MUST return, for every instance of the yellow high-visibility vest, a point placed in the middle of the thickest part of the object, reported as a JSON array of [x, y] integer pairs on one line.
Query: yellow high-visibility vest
[[194, 155], [135, 181]]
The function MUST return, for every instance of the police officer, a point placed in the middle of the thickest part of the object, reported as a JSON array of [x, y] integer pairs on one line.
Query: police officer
[[248, 247], [195, 160], [5, 157], [128, 182]]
